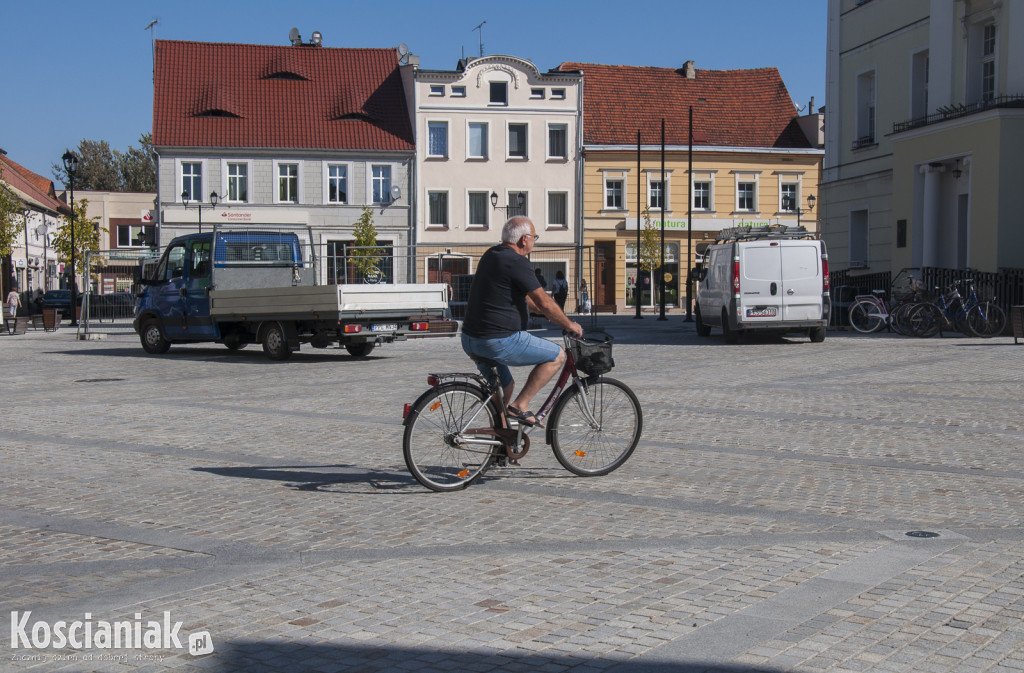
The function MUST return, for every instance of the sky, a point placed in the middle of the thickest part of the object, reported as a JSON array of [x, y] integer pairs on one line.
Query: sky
[[78, 70]]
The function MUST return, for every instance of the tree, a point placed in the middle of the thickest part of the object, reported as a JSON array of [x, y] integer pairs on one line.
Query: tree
[[650, 254], [366, 253], [87, 236], [103, 169], [10, 224]]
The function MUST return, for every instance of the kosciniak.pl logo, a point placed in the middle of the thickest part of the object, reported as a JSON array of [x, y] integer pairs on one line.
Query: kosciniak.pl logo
[[89, 633]]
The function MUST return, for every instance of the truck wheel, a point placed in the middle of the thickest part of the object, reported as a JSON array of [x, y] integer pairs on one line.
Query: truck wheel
[[817, 334], [731, 336], [153, 342], [702, 329], [275, 342], [360, 350], [235, 339]]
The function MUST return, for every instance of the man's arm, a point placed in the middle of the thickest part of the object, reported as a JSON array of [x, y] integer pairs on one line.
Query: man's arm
[[539, 301]]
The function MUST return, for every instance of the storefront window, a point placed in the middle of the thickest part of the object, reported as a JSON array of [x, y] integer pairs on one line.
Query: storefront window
[[644, 284]]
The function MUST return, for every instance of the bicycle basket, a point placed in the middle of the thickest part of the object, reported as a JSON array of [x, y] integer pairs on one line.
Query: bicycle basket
[[593, 358]]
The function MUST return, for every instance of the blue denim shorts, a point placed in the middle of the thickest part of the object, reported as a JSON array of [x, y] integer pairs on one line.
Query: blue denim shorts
[[522, 349]]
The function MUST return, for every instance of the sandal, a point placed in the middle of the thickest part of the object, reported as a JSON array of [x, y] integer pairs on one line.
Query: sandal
[[524, 417]]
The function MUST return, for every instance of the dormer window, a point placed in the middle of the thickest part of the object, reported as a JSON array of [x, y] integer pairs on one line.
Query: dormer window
[[499, 93]]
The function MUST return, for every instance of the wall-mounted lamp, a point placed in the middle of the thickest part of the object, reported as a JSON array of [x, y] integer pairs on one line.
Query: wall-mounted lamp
[[510, 210], [214, 198], [956, 171]]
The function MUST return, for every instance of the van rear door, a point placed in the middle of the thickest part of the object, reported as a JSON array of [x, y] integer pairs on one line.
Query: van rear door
[[801, 280], [760, 282]]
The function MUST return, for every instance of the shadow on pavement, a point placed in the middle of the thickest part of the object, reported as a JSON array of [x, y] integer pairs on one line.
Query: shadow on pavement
[[264, 657], [316, 477], [212, 354]]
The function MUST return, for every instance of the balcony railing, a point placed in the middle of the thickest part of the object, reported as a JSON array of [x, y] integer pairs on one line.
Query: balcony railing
[[956, 111]]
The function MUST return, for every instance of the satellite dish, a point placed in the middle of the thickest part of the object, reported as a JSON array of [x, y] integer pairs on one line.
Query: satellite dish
[[293, 36], [403, 53], [396, 193], [317, 38]]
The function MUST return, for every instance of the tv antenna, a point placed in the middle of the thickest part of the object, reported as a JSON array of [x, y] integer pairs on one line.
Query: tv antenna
[[152, 43], [480, 27]]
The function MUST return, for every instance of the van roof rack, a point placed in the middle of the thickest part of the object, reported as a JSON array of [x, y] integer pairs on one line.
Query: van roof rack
[[778, 231]]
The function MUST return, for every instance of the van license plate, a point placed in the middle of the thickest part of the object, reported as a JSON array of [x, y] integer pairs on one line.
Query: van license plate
[[385, 327], [762, 312]]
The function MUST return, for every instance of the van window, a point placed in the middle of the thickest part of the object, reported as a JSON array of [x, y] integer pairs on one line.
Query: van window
[[175, 266]]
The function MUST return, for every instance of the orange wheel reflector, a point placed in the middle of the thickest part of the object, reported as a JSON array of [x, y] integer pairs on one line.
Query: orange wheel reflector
[[435, 406], [581, 454], [463, 474]]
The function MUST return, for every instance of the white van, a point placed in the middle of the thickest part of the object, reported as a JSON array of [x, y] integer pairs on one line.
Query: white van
[[765, 279]]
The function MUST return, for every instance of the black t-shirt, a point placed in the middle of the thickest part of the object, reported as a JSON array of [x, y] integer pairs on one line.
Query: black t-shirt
[[497, 298]]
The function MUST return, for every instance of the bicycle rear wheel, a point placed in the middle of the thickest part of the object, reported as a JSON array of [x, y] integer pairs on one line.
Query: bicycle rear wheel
[[590, 450], [925, 320], [439, 449], [866, 316], [985, 320], [899, 318]]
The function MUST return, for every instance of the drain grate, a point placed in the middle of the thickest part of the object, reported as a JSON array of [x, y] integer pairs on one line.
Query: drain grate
[[921, 533]]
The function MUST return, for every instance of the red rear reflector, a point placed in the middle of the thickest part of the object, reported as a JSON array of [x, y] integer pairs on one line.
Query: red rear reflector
[[420, 326], [735, 276], [405, 410], [352, 329], [432, 381], [824, 273]]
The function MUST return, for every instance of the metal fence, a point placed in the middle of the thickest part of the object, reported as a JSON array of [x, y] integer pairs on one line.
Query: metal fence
[[108, 303]]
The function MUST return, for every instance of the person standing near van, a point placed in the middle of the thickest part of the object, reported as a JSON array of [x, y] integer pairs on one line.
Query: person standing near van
[[560, 289]]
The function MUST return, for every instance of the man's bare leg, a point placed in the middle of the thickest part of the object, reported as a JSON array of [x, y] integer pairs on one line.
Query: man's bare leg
[[538, 378]]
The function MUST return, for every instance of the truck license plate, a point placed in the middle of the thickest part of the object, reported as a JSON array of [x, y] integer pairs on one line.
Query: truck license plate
[[384, 327], [762, 312]]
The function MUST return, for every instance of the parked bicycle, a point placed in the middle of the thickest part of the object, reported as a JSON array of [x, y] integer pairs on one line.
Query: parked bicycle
[[961, 312], [870, 313], [460, 427]]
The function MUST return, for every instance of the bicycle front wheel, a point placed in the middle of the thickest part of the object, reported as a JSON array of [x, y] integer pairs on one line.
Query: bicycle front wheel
[[590, 448], [866, 316], [985, 320], [446, 443], [925, 320]]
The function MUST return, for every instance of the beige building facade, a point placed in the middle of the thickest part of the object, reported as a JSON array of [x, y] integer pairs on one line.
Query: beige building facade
[[924, 122]]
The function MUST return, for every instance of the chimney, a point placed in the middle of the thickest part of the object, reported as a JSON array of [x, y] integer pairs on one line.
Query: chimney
[[690, 70], [810, 106]]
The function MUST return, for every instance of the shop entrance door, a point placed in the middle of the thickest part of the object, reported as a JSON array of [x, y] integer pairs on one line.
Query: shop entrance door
[[604, 267]]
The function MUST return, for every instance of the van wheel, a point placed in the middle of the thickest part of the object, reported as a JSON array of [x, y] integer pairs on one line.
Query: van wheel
[[153, 342], [275, 342], [235, 339], [360, 350], [731, 336], [702, 329], [817, 334]]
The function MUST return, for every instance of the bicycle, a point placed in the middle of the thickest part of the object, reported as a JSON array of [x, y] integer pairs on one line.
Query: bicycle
[[969, 315], [870, 312], [460, 427]]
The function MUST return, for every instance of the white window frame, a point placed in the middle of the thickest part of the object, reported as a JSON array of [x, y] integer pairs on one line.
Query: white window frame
[[487, 141], [616, 176], [490, 100], [458, 91], [547, 141], [436, 90], [558, 226], [558, 94], [989, 59], [508, 141], [477, 226], [203, 173], [866, 119], [708, 177], [666, 181], [747, 177], [370, 179], [327, 182], [447, 138], [225, 183], [512, 195], [447, 213], [782, 197], [537, 93], [298, 180]]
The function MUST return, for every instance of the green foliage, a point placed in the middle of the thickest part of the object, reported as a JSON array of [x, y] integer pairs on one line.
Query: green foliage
[[103, 169], [650, 257], [10, 220], [87, 236], [366, 253]]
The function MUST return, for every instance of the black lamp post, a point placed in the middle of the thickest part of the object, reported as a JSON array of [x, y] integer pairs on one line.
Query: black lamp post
[[214, 198], [520, 199], [71, 166], [790, 203]]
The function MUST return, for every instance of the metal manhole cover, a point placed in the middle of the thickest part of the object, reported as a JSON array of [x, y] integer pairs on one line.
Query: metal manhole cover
[[921, 533]]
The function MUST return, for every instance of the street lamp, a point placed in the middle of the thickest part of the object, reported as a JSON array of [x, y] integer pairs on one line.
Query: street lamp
[[520, 199], [71, 167], [214, 198], [790, 203]]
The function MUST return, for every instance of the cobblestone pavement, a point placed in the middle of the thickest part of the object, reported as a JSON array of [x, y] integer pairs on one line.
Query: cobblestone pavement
[[760, 525]]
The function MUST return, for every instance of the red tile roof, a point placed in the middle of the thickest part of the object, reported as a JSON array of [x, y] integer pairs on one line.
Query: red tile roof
[[257, 96], [732, 108], [33, 188]]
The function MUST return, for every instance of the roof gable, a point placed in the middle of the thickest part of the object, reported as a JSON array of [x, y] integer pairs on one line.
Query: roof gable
[[257, 96], [33, 188], [731, 108]]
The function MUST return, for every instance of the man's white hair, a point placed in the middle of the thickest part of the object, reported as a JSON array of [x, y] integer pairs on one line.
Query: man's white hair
[[516, 227]]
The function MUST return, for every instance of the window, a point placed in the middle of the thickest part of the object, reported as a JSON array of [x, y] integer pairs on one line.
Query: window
[[558, 94], [437, 215], [381, 184], [287, 183], [988, 63], [477, 145], [865, 110], [919, 85], [517, 141], [745, 196], [437, 89], [437, 139], [613, 194], [478, 209], [458, 92], [536, 93], [499, 93], [656, 194], [859, 239], [702, 196], [787, 198], [238, 182], [558, 209], [192, 180], [557, 141], [134, 235], [337, 183]]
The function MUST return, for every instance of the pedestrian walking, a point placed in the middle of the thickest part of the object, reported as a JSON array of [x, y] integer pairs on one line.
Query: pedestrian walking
[[13, 302], [560, 289]]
